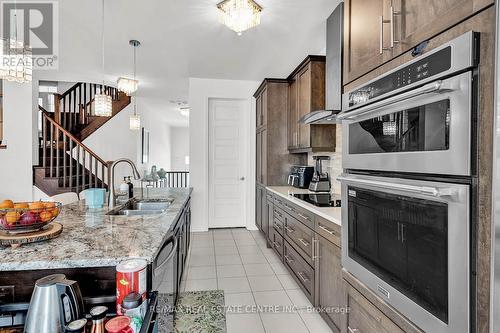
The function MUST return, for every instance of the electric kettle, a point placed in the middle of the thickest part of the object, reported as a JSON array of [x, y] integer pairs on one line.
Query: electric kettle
[[55, 302]]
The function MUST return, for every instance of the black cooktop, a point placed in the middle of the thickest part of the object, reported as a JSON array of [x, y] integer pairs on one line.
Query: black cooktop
[[319, 199]]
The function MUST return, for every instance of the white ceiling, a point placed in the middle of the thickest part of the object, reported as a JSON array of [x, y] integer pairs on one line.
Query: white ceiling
[[182, 39]]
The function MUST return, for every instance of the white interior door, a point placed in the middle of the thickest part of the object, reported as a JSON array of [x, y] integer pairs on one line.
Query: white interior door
[[227, 163]]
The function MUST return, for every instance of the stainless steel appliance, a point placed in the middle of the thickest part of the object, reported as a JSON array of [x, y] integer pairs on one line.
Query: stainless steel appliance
[[334, 47], [415, 118], [408, 185], [300, 176], [407, 240], [321, 180], [56, 301]]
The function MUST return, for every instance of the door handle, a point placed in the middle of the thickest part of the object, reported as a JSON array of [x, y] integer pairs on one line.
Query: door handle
[[303, 242], [393, 13], [242, 178], [381, 27]]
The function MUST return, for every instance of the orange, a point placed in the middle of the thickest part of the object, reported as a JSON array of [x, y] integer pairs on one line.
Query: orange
[[6, 204], [36, 206], [21, 205], [54, 212], [49, 204], [12, 217], [45, 216]]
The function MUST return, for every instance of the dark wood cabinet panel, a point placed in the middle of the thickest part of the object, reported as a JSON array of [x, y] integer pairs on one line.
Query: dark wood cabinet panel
[[258, 159], [258, 206], [329, 285], [364, 36], [307, 94]]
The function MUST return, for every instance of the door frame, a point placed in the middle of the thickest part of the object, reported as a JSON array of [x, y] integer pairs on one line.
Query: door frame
[[247, 126]]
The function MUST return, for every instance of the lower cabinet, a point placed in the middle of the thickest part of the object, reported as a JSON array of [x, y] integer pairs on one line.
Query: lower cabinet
[[329, 283], [363, 316], [277, 242], [302, 272]]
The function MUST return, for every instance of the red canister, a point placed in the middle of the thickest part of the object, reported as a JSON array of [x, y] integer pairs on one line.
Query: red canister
[[131, 276], [119, 324]]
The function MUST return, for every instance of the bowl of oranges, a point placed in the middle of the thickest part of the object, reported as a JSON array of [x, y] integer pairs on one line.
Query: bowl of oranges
[[27, 216]]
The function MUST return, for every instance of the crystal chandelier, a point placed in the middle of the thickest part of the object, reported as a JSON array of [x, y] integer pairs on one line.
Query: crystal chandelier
[[135, 122], [16, 59], [103, 102], [239, 15], [128, 86]]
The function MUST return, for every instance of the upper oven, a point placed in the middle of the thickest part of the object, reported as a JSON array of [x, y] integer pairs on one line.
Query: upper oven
[[416, 118]]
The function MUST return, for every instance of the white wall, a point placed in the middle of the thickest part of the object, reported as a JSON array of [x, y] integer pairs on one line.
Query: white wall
[[179, 143], [200, 91], [115, 140], [159, 139], [16, 162]]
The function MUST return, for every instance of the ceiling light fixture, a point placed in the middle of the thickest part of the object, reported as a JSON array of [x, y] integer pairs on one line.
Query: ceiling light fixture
[[103, 102], [125, 84], [135, 119], [239, 15], [184, 111], [16, 59]]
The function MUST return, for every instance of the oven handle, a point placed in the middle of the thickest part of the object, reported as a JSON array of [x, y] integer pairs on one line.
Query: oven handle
[[436, 86], [426, 190]]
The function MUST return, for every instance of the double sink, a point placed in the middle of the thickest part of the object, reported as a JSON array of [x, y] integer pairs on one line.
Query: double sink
[[136, 207]]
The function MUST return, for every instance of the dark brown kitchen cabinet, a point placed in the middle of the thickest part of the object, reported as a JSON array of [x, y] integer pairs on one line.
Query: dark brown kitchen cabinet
[[261, 156], [259, 193], [417, 20], [261, 105], [306, 94], [376, 31], [329, 285], [363, 316]]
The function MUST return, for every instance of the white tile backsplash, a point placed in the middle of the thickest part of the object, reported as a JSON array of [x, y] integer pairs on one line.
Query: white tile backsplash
[[334, 165]]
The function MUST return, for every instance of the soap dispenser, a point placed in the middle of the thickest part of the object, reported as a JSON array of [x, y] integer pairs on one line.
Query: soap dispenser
[[130, 188], [124, 188]]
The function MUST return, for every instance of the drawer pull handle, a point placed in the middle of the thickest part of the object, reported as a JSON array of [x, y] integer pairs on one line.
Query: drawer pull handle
[[290, 230], [278, 214], [303, 277], [304, 217], [352, 330], [288, 260], [289, 208], [326, 229], [303, 242], [276, 225]]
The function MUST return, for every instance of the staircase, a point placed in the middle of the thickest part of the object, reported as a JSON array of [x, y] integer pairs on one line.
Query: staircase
[[66, 164]]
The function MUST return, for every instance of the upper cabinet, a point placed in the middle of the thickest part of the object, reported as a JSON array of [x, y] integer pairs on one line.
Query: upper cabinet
[[306, 93], [376, 31], [272, 161]]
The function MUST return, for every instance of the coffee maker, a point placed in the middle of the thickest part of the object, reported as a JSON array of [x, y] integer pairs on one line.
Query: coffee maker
[[320, 181]]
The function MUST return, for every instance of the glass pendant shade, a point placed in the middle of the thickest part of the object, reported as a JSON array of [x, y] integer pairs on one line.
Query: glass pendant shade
[[103, 105], [135, 122], [128, 86], [16, 61], [239, 15]]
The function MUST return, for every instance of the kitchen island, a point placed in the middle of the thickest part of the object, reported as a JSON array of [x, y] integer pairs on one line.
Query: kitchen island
[[91, 238]]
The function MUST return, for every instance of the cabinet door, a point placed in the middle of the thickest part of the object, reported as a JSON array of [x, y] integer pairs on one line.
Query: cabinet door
[[365, 38], [258, 160], [258, 113], [258, 207], [263, 148], [304, 105], [293, 125], [329, 286], [417, 20]]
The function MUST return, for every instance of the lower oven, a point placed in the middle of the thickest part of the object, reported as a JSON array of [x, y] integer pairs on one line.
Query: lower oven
[[408, 240]]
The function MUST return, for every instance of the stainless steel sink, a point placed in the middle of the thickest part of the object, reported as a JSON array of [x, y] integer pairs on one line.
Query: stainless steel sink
[[142, 207]]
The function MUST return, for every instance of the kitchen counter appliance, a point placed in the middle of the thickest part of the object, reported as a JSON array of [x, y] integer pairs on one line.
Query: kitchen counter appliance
[[321, 180], [319, 199], [300, 176], [408, 186]]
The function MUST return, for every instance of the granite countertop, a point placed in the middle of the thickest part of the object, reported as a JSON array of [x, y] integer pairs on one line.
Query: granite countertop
[[332, 214], [90, 238]]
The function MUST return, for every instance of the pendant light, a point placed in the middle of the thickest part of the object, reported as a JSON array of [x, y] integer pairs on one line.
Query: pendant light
[[125, 84], [103, 102], [135, 119], [16, 59], [239, 15]]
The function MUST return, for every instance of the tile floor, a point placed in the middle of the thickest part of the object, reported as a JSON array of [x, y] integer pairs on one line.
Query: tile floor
[[253, 278]]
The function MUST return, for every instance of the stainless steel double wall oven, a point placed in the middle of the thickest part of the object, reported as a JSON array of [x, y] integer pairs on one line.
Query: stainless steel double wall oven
[[408, 184]]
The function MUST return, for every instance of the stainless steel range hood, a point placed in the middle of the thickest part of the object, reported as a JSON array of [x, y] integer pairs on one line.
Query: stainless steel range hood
[[334, 45]]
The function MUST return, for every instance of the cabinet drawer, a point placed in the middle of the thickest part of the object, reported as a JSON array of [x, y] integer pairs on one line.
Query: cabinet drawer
[[328, 229], [279, 202], [303, 273], [269, 196], [279, 221], [277, 242], [300, 236], [364, 317], [302, 215]]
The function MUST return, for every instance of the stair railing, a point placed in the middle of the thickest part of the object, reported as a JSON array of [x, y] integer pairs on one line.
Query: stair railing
[[81, 167], [74, 107], [177, 179]]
